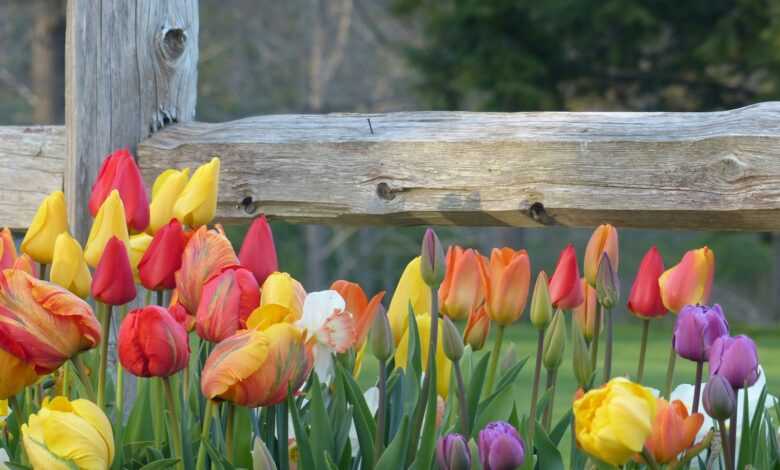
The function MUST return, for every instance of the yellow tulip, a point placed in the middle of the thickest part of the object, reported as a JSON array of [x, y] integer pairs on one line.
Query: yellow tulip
[[69, 434], [411, 289], [109, 222], [50, 220], [197, 203], [4, 410], [16, 374], [68, 268], [136, 249], [613, 422], [443, 365], [166, 189], [283, 290]]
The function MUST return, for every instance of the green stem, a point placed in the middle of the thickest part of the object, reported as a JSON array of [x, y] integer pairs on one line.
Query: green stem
[[229, 425], [119, 402], [174, 423], [608, 349], [670, 373], [208, 413], [724, 442], [379, 444], [697, 386], [66, 380], [105, 317], [552, 378], [640, 373], [594, 345], [161, 298], [491, 373], [148, 297], [43, 272], [464, 406], [21, 417], [535, 390], [649, 459], [282, 435], [81, 371]]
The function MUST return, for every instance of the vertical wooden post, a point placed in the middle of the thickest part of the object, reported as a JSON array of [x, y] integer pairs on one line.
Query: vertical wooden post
[[130, 69]]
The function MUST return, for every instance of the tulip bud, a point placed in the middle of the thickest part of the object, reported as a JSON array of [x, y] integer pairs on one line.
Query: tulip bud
[[689, 282], [226, 301], [500, 447], [461, 291], [141, 348], [565, 288], [381, 337], [410, 292], [696, 329], [119, 172], [452, 452], [719, 399], [136, 248], [554, 342], [197, 203], [109, 222], [736, 359], [432, 259], [162, 258], [607, 284], [477, 329], [453, 343], [583, 368], [113, 283], [603, 241], [258, 252], [506, 278], [585, 313], [7, 249], [541, 308], [166, 189], [51, 219], [261, 457], [68, 267], [645, 300]]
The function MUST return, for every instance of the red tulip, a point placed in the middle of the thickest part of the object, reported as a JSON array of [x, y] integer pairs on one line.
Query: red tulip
[[119, 171], [226, 301], [152, 343], [7, 249], [258, 252], [113, 282], [565, 287], [645, 298], [158, 266], [185, 318]]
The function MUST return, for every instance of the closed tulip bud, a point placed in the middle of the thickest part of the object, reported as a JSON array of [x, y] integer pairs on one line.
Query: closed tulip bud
[[68, 434], [736, 359], [603, 241], [158, 265], [381, 337], [583, 368], [411, 292], [501, 447], [506, 279], [26, 264], [68, 268], [197, 203], [719, 398], [453, 343], [50, 220], [227, 300], [690, 281], [256, 368], [119, 172], [607, 284], [585, 313], [359, 306], [461, 291], [151, 343], [696, 329], [674, 431], [42, 326], [261, 457], [113, 283], [554, 342], [136, 248], [258, 252], [541, 308], [110, 222], [432, 265], [645, 298], [565, 288], [443, 364], [165, 191], [477, 329], [452, 453], [284, 290], [7, 249]]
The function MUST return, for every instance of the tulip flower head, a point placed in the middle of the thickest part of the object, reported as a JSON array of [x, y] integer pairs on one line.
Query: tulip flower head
[[585, 313], [110, 222], [136, 248], [565, 288], [380, 337], [68, 267], [541, 307], [613, 422], [736, 359], [26, 264], [68, 434], [453, 453], [696, 329], [227, 300], [461, 291], [163, 257], [500, 447], [197, 203], [119, 172], [165, 191], [50, 220], [477, 329], [152, 343], [432, 265], [645, 299], [690, 281], [554, 342], [258, 252], [443, 365], [113, 283], [285, 291], [505, 279], [674, 430], [581, 363], [603, 241], [451, 340], [719, 398], [180, 314], [607, 284], [7, 249], [362, 309], [411, 290]]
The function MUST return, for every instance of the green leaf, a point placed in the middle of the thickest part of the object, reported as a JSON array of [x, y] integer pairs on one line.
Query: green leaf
[[364, 421], [560, 428], [414, 356], [424, 459], [160, 464], [393, 457], [329, 464], [511, 374], [476, 381], [321, 429], [139, 424], [301, 438], [242, 445], [745, 444], [549, 456], [497, 407]]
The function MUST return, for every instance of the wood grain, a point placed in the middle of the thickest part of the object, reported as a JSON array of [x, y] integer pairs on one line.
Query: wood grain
[[32, 161], [713, 171], [131, 68]]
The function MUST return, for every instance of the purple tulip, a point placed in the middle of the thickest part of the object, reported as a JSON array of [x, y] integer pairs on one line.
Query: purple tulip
[[501, 447], [736, 359], [452, 452], [697, 328], [719, 398]]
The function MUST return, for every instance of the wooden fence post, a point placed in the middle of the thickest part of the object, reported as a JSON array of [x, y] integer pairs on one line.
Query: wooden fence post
[[130, 69]]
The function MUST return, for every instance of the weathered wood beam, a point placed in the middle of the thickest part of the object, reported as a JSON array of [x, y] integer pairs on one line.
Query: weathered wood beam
[[32, 161], [712, 171]]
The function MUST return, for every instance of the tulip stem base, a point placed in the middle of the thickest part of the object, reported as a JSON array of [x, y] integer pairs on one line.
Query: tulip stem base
[[491, 373], [640, 372], [697, 386], [81, 371], [379, 445], [608, 347], [464, 406], [282, 435], [535, 390], [208, 413], [552, 378], [724, 443], [174, 423], [670, 373], [105, 318], [647, 456], [229, 430], [594, 345]]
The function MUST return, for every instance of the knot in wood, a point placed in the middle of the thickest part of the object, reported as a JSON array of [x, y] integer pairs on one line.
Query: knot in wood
[[249, 205], [730, 168], [384, 191], [173, 44], [539, 214]]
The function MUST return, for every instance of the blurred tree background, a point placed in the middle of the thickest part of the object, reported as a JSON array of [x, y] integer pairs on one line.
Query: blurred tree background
[[298, 56]]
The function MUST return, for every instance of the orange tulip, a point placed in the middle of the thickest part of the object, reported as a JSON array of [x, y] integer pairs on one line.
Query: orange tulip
[[206, 253], [603, 240], [359, 306], [585, 313], [690, 281], [673, 430], [505, 279], [461, 291], [26, 264], [477, 329], [255, 368], [7, 249]]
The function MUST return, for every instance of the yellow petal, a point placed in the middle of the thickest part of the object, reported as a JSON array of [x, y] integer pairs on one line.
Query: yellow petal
[[68, 268], [197, 203], [165, 191], [50, 220], [412, 290], [109, 222]]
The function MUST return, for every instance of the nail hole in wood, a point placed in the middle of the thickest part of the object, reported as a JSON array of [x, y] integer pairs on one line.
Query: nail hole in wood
[[248, 204], [384, 191], [538, 213], [174, 42]]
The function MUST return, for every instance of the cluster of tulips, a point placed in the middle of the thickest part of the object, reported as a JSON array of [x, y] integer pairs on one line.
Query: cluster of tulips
[[277, 367]]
